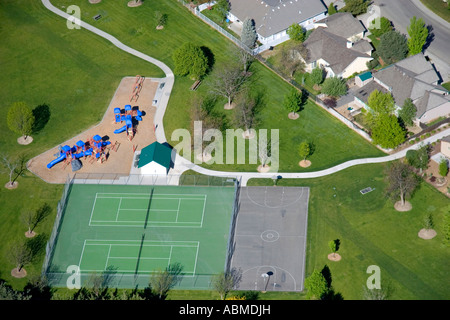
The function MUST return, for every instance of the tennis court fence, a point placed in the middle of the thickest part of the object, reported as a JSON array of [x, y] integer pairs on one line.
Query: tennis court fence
[[117, 179], [59, 213], [164, 180]]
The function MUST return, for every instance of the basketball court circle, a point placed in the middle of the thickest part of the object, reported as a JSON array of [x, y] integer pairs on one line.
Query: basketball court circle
[[270, 238]]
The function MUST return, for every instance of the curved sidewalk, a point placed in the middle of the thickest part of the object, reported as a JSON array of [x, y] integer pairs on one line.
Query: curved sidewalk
[[245, 176], [182, 164]]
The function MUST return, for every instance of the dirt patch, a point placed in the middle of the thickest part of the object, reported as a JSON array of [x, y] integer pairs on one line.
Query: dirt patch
[[228, 106], [427, 234], [334, 257], [400, 207], [293, 116], [24, 141], [8, 185], [262, 168], [132, 3], [304, 163], [18, 274], [119, 161]]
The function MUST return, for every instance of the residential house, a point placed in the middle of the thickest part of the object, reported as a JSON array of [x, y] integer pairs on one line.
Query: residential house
[[445, 146], [273, 17], [414, 78], [337, 46]]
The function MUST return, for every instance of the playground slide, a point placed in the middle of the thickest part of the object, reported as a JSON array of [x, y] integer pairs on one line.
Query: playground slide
[[59, 159], [120, 129]]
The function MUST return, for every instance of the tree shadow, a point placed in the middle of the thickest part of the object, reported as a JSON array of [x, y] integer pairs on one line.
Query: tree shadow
[[41, 116], [429, 39], [209, 56]]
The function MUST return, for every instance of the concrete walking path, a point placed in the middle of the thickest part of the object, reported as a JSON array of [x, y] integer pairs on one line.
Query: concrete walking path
[[181, 164]]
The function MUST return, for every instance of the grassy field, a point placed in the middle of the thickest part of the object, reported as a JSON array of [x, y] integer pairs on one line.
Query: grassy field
[[372, 232], [75, 73], [439, 7]]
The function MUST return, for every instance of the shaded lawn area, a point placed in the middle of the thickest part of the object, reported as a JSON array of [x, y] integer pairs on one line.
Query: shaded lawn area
[[372, 232]]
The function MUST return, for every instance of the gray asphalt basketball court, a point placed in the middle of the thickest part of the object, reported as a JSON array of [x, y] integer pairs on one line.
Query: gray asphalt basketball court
[[270, 238]]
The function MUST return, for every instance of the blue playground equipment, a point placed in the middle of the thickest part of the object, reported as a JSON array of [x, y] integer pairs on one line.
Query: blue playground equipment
[[79, 150]]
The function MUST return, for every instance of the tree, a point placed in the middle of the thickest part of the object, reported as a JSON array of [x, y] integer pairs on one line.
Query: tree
[[331, 9], [288, 59], [443, 168], [384, 27], [246, 110], [8, 293], [317, 76], [401, 182], [14, 167], [293, 101], [228, 82], [163, 281], [222, 6], [333, 246], [304, 150], [392, 47], [387, 132], [190, 60], [418, 158], [20, 254], [428, 222], [32, 218], [408, 112], [356, 7], [418, 34], [316, 286], [249, 35], [224, 282], [296, 32], [381, 103], [20, 119], [161, 19], [334, 87]]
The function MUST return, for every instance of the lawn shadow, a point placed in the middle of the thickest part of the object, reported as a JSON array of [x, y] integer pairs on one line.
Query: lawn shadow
[[41, 116]]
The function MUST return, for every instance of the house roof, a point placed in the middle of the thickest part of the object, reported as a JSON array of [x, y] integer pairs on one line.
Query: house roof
[[412, 78], [274, 16], [343, 24], [322, 44], [446, 139], [155, 152], [364, 92], [365, 76]]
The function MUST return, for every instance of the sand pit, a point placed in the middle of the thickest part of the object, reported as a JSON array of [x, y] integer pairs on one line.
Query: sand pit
[[120, 161]]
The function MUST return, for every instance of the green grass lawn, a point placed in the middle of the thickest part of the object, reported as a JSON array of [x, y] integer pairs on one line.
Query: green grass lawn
[[75, 73], [372, 232], [439, 7]]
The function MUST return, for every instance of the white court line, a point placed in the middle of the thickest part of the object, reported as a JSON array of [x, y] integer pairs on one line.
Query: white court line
[[171, 245], [93, 206], [178, 210], [118, 209], [107, 258], [139, 223]]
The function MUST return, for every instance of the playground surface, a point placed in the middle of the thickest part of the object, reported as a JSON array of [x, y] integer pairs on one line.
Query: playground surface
[[128, 232], [120, 159]]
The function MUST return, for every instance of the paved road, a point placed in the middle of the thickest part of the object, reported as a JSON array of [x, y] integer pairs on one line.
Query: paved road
[[401, 11], [182, 164]]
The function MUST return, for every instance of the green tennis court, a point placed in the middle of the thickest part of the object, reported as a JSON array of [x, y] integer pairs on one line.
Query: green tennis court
[[131, 231]]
